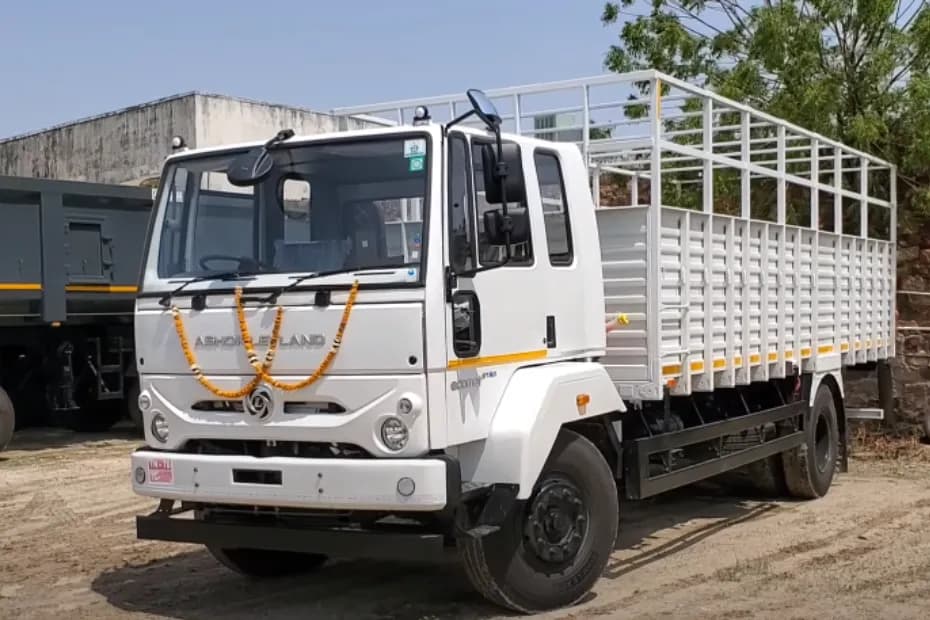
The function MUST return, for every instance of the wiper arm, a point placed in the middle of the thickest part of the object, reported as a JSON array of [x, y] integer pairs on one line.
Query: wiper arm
[[223, 275]]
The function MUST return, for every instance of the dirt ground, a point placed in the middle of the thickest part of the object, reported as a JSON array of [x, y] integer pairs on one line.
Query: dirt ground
[[67, 550]]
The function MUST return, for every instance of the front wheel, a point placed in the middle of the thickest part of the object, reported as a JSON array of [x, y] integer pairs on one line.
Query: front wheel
[[267, 563], [553, 547]]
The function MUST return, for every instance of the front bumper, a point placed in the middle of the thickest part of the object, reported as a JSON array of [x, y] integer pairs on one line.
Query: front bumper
[[324, 484]]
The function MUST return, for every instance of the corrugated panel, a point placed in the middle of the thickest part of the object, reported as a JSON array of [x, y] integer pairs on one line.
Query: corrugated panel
[[738, 300], [622, 235]]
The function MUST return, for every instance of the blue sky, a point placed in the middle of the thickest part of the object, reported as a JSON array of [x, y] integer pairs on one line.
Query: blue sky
[[60, 61]]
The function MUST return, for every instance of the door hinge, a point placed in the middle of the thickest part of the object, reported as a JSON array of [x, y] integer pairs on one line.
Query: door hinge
[[451, 283]]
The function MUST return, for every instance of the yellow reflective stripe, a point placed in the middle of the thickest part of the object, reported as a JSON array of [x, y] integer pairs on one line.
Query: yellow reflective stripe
[[671, 369], [805, 351], [720, 363], [101, 288], [844, 347], [494, 360], [738, 362], [697, 366], [755, 358], [789, 355], [825, 348], [20, 286]]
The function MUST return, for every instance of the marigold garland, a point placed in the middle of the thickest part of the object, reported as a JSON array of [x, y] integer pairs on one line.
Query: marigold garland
[[261, 368], [198, 372], [324, 365]]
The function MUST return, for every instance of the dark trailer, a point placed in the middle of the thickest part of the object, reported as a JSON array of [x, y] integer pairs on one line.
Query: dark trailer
[[70, 255]]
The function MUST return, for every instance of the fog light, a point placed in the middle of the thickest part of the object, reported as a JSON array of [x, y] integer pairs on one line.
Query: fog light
[[394, 434], [140, 475], [145, 401], [159, 427], [406, 486], [404, 406]]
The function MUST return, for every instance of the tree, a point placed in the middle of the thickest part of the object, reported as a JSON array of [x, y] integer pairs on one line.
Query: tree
[[854, 70]]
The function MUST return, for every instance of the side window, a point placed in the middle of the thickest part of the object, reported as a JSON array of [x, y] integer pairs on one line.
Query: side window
[[461, 226], [488, 254], [555, 208]]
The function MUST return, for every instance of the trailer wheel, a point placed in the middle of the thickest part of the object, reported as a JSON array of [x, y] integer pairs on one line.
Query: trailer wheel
[[810, 467], [553, 547], [263, 563], [7, 419]]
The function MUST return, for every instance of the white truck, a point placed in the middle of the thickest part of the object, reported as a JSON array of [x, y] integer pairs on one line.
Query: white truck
[[500, 374]]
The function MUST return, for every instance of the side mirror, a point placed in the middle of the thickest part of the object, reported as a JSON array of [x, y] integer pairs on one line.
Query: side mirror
[[484, 108], [250, 168], [516, 186], [495, 224]]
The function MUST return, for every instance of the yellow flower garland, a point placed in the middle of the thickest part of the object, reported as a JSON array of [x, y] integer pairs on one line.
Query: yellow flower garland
[[261, 369], [324, 365]]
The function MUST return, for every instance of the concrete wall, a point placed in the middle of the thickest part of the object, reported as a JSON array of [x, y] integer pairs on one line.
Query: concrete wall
[[122, 147], [129, 146], [225, 120]]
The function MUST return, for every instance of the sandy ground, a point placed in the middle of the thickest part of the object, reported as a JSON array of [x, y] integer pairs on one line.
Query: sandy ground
[[67, 550]]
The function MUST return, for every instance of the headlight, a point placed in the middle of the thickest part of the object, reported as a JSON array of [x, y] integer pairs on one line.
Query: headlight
[[145, 401], [394, 434], [159, 427]]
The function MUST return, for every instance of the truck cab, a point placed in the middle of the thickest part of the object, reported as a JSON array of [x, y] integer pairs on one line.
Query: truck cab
[[388, 324]]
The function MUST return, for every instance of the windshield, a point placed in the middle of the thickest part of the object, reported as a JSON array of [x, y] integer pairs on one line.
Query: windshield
[[335, 206]]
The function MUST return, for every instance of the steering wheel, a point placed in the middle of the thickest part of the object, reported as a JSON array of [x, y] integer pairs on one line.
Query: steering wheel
[[243, 262]]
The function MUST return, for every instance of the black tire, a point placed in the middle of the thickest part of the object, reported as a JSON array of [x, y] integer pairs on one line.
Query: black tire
[[131, 406], [809, 468], [7, 420], [507, 567], [264, 563]]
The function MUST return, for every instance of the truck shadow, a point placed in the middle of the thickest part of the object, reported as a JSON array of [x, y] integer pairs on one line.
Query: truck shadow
[[657, 528], [192, 585]]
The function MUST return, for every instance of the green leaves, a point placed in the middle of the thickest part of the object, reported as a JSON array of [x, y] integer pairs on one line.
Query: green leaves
[[855, 70]]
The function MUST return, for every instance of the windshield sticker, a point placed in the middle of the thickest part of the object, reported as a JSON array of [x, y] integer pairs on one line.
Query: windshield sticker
[[415, 148], [416, 164]]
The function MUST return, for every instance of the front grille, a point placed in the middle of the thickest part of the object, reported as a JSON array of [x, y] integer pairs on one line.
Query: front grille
[[263, 449], [291, 407]]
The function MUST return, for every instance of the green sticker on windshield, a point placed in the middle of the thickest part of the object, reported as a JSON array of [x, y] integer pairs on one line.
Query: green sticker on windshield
[[416, 164]]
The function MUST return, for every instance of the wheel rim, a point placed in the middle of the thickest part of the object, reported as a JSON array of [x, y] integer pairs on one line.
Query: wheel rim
[[822, 444], [556, 521]]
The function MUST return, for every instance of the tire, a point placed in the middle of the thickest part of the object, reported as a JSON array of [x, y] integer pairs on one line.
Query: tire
[[7, 420], [263, 563], [508, 567], [131, 406], [809, 468]]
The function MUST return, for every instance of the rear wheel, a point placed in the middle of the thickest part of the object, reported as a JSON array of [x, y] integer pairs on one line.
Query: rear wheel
[[809, 468], [553, 547], [262, 563], [7, 419]]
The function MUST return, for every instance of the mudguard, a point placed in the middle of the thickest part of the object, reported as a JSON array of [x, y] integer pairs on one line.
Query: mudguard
[[818, 377], [535, 405]]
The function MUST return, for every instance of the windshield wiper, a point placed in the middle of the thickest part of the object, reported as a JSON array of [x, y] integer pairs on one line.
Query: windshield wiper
[[299, 279], [223, 275]]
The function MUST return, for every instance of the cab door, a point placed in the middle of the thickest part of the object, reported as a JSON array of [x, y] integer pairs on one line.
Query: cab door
[[496, 318]]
